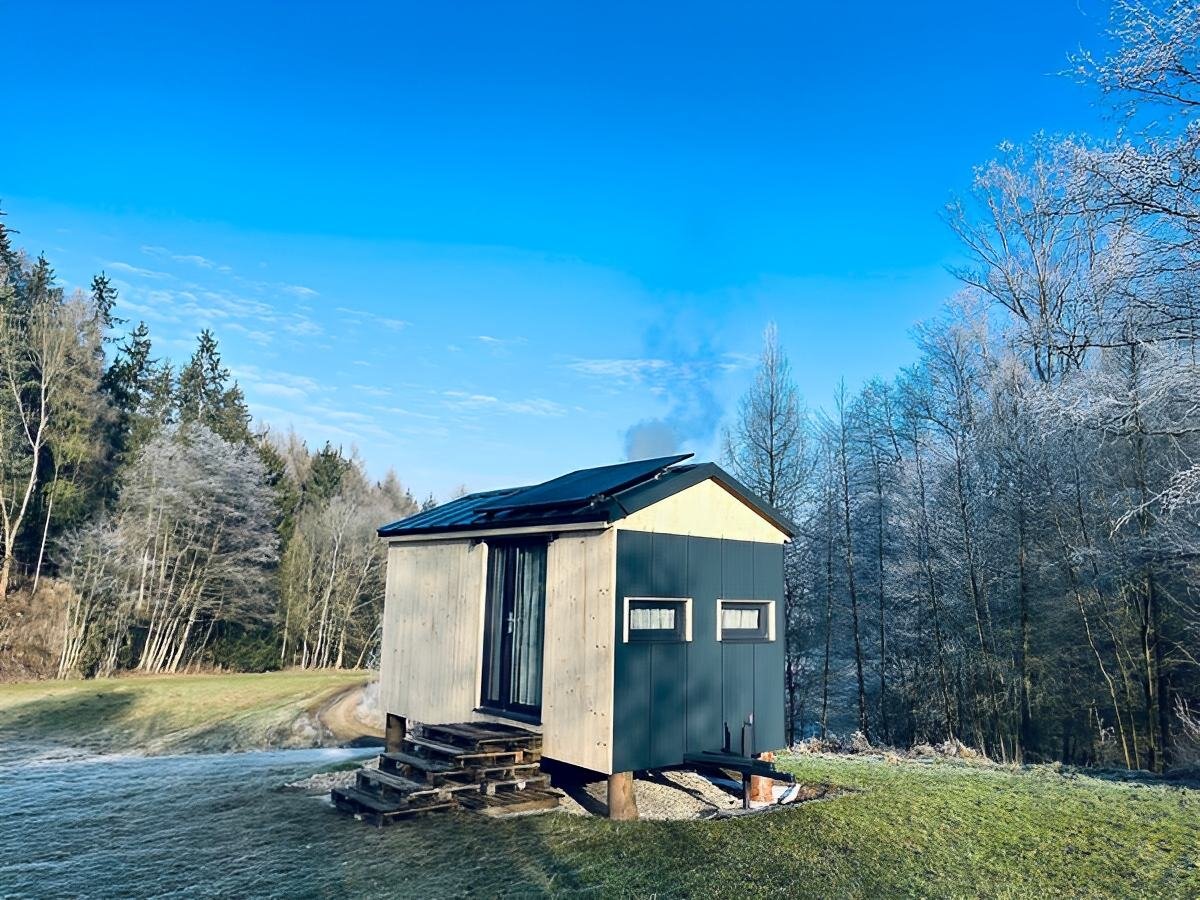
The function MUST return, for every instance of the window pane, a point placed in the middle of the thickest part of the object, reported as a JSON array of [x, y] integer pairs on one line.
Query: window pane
[[529, 601], [739, 618], [653, 619]]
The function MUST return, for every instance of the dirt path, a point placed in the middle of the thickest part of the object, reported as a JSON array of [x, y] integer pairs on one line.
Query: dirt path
[[353, 715]]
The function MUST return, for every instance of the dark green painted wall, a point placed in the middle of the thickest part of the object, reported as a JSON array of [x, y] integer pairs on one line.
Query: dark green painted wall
[[673, 698]]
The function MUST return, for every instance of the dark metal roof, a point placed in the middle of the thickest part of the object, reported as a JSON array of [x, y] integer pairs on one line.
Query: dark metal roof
[[582, 485], [616, 494]]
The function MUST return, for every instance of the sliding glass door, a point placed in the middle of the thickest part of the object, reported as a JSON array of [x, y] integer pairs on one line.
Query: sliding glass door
[[513, 631]]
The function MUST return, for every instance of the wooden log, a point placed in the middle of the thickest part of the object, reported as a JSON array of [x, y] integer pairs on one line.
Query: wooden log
[[762, 790], [394, 732], [622, 804]]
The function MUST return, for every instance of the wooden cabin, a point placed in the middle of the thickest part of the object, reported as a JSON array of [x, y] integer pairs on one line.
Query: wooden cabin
[[632, 614]]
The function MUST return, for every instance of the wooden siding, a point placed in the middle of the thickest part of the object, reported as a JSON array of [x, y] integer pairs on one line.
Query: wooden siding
[[577, 681], [704, 510], [433, 639], [432, 621]]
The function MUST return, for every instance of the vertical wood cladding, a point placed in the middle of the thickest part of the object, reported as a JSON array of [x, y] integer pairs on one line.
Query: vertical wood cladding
[[672, 698]]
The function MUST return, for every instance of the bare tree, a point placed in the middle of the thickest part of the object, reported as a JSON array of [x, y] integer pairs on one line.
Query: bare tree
[[768, 450], [38, 331]]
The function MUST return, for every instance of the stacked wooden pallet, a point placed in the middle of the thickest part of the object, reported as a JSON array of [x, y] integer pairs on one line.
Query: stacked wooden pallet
[[491, 769]]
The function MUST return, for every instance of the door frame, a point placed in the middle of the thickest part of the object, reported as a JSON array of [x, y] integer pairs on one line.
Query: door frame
[[506, 709]]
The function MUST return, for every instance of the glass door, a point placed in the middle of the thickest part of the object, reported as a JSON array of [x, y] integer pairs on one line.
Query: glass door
[[514, 620]]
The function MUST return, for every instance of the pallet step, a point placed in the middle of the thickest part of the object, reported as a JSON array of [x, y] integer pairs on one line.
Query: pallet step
[[487, 771], [482, 736], [512, 804], [458, 752], [406, 787], [516, 784], [380, 817], [423, 763], [368, 801], [491, 769]]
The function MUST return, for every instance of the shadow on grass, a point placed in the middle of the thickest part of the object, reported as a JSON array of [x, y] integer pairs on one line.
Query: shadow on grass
[[83, 719], [1187, 777]]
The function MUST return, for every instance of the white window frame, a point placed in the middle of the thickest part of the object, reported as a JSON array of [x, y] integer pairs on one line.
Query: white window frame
[[770, 605], [687, 613]]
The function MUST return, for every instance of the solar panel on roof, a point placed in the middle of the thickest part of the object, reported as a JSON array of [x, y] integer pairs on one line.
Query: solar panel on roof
[[583, 485]]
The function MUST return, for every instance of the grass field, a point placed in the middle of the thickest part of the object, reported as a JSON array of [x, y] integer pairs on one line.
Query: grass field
[[935, 829], [941, 829], [171, 713]]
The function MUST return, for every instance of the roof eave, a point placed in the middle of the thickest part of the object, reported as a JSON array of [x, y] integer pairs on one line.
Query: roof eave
[[600, 515]]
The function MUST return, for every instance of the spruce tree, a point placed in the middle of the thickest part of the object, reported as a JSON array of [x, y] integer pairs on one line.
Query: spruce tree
[[206, 395], [138, 388], [329, 467]]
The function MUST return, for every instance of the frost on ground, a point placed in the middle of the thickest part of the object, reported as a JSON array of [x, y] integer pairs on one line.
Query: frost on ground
[[856, 744], [324, 782]]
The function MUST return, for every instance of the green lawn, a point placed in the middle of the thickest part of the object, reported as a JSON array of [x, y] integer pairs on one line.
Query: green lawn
[[907, 830], [912, 829], [170, 713]]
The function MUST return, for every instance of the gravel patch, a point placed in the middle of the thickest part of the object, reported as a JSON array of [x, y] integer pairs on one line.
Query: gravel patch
[[661, 796]]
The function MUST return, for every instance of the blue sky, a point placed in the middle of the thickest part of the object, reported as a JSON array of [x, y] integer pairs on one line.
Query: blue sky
[[481, 242]]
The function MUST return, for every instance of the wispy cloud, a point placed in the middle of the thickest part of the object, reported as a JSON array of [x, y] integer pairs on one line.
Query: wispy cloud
[[362, 316], [537, 406], [372, 390], [192, 259], [301, 326], [138, 271], [277, 383], [199, 261], [622, 369], [296, 290], [497, 343]]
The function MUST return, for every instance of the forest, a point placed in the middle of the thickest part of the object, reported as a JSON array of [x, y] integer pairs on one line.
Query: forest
[[147, 525], [1000, 545]]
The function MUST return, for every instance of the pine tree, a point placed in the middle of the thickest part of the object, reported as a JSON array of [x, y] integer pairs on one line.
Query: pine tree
[[104, 298], [329, 468], [287, 492], [11, 270], [206, 395], [138, 387]]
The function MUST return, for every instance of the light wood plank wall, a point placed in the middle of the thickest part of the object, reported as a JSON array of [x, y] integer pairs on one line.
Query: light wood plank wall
[[704, 510], [577, 679], [432, 619]]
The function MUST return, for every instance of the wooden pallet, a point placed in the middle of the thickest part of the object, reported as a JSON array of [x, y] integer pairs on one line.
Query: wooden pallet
[[514, 803], [488, 768], [369, 807], [460, 753], [485, 736], [419, 763]]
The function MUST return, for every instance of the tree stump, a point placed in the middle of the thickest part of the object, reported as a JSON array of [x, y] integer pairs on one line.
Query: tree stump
[[622, 804], [762, 790]]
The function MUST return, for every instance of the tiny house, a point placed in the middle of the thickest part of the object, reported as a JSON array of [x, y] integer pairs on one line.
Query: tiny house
[[632, 614]]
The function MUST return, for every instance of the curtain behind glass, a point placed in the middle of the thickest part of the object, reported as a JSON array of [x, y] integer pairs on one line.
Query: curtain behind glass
[[495, 625], [529, 603]]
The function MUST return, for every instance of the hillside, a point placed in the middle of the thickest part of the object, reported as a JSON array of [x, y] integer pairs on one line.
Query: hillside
[[183, 713]]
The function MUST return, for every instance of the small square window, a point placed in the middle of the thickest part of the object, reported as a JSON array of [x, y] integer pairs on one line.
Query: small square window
[[658, 619], [745, 620]]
